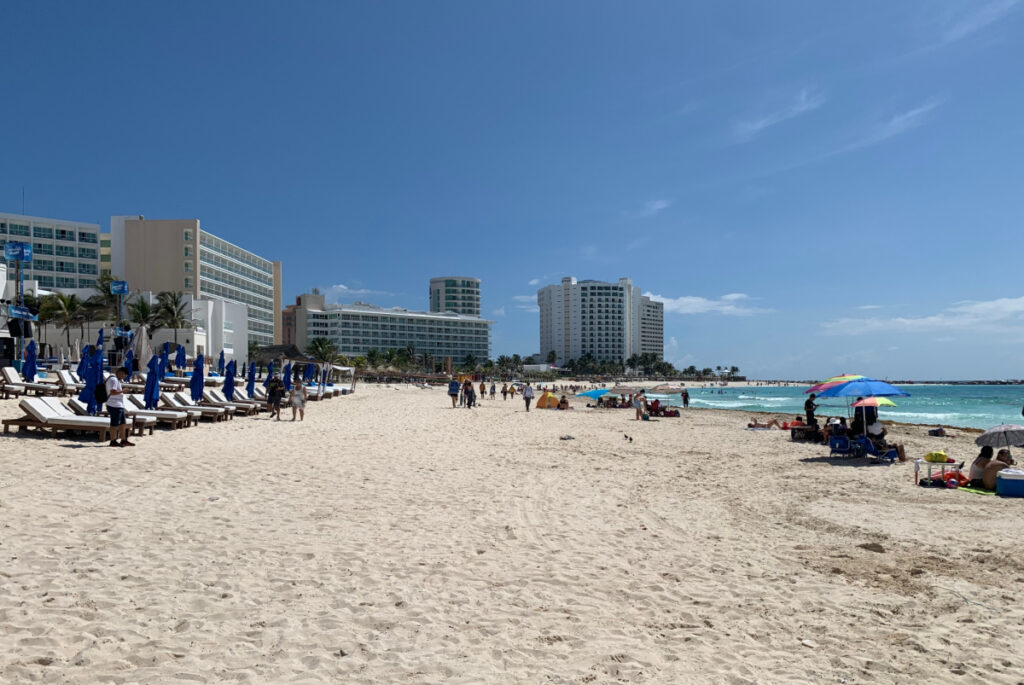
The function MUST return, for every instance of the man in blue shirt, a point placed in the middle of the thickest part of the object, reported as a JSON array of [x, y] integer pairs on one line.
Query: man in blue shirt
[[453, 392]]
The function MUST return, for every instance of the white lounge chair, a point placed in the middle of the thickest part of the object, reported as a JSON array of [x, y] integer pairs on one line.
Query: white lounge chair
[[67, 382], [171, 401], [176, 418], [185, 399], [14, 381], [216, 398], [76, 407], [40, 416]]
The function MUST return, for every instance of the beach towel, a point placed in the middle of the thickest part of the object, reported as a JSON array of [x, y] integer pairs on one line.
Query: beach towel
[[976, 491]]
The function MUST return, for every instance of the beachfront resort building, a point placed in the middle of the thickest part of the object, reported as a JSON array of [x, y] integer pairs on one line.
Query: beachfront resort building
[[611, 321], [177, 255], [458, 294], [359, 327], [65, 254]]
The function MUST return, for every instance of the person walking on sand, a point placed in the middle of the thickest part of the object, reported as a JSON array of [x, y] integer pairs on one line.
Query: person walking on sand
[[504, 391], [453, 392], [115, 407], [528, 396], [639, 405], [686, 399], [298, 401], [275, 391], [493, 389]]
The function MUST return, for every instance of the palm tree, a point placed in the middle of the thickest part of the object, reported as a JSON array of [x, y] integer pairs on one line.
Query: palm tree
[[552, 357], [372, 357], [91, 311], [47, 314], [66, 310], [469, 361], [734, 371], [143, 314], [322, 350], [174, 311]]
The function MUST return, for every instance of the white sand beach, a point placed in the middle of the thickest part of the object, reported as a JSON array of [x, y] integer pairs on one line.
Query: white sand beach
[[392, 539]]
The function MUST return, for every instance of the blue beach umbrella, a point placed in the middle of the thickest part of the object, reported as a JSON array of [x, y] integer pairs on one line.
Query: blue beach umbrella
[[864, 387], [179, 360], [594, 394], [309, 373], [83, 364], [229, 380], [167, 349], [152, 392], [220, 363], [287, 373], [29, 369], [196, 383], [270, 374], [164, 362], [129, 357], [250, 386], [99, 341], [92, 376]]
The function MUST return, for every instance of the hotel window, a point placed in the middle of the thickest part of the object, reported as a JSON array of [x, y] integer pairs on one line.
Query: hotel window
[[64, 282], [42, 248], [188, 251], [188, 282], [84, 237], [42, 232], [3, 227], [86, 282], [67, 236], [18, 229], [87, 269], [86, 253], [42, 264], [188, 235], [65, 251], [45, 281], [188, 267]]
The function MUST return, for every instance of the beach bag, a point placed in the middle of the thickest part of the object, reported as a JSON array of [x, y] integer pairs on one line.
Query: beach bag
[[99, 393], [936, 457]]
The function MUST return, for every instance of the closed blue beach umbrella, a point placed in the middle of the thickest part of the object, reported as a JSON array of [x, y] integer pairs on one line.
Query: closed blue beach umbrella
[[99, 341], [250, 386], [152, 392], [270, 374], [196, 383], [287, 373], [165, 360], [309, 373], [83, 364], [93, 377], [229, 380], [179, 360], [29, 369], [129, 357], [220, 363]]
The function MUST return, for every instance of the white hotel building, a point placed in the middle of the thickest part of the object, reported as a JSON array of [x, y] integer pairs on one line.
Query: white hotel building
[[65, 254], [357, 328], [611, 321]]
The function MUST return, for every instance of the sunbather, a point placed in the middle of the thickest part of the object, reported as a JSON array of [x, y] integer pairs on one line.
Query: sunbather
[[754, 423], [1002, 461], [978, 466]]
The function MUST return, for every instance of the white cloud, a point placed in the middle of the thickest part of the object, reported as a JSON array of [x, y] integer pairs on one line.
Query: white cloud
[[979, 16], [1003, 314], [533, 281], [532, 309], [336, 293], [899, 123], [500, 311], [652, 207], [729, 305], [805, 101], [525, 298], [870, 306]]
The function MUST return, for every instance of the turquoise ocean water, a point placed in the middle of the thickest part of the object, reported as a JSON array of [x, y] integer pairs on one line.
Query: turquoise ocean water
[[974, 406]]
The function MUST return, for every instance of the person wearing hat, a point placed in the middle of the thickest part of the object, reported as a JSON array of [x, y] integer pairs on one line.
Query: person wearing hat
[[275, 391]]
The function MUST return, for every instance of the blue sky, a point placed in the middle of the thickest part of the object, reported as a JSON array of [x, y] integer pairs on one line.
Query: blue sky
[[812, 188]]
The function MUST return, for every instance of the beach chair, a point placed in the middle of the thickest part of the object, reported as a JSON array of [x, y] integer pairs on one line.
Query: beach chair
[[14, 381], [68, 384], [236, 407], [176, 418], [171, 401], [75, 407], [867, 448], [140, 416], [218, 398], [185, 399], [839, 445], [40, 416]]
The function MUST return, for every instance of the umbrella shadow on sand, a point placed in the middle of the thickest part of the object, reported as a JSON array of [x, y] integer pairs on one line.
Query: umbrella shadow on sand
[[841, 461]]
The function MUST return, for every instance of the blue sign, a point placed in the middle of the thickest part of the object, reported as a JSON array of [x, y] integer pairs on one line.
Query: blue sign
[[16, 312], [18, 252], [119, 288]]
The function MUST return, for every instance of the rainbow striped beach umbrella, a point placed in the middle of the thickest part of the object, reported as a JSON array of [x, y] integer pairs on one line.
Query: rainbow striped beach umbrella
[[834, 381]]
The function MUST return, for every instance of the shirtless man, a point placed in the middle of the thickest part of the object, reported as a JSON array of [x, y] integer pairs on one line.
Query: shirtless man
[[1002, 461], [754, 423]]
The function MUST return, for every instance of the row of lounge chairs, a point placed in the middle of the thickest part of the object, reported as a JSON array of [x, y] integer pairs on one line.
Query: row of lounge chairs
[[48, 413]]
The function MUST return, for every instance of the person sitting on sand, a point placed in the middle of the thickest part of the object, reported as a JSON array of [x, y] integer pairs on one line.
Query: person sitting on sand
[[978, 466], [564, 403], [796, 422], [988, 477], [754, 423]]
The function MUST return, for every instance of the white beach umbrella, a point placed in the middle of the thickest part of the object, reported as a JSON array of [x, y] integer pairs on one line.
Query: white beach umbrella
[[1005, 435]]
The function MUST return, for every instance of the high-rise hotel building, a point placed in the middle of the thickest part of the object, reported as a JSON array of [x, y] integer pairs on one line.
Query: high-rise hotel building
[[611, 321], [177, 255], [65, 254], [459, 294]]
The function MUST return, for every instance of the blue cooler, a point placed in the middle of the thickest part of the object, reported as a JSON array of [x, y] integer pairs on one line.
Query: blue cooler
[[1010, 483]]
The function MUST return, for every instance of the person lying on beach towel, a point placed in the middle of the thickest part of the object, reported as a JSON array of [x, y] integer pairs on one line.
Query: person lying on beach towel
[[754, 423]]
